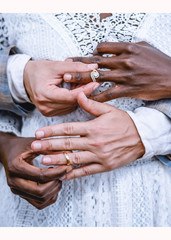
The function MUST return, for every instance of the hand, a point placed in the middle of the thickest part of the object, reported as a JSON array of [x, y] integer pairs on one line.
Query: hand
[[40, 187], [41, 80], [109, 141], [138, 70]]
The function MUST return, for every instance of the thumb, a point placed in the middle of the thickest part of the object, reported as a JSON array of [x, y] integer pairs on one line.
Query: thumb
[[87, 89], [93, 107]]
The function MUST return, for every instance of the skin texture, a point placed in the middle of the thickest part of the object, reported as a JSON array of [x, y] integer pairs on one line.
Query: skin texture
[[107, 142], [138, 70], [41, 80], [40, 187]]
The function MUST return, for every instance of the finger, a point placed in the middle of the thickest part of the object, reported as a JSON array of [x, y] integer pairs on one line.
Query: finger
[[63, 129], [30, 172], [84, 171], [104, 76], [75, 158], [63, 144], [115, 47], [39, 205], [74, 67], [93, 107], [103, 62], [41, 199], [116, 92], [87, 89], [34, 188]]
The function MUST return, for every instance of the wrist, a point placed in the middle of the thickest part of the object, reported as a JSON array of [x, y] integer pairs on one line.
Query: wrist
[[26, 79]]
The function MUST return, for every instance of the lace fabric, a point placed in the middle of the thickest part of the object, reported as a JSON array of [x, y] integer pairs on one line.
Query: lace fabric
[[135, 195]]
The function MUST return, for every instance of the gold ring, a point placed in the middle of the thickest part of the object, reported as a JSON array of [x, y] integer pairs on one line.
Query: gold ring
[[94, 75], [67, 159]]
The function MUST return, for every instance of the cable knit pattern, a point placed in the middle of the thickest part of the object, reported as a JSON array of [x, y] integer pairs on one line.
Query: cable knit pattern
[[135, 195]]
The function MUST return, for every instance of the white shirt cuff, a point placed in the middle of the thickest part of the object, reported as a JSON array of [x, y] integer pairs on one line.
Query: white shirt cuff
[[154, 129], [15, 69]]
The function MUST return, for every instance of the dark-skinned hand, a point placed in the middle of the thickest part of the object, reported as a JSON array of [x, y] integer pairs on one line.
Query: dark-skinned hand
[[40, 187], [138, 70]]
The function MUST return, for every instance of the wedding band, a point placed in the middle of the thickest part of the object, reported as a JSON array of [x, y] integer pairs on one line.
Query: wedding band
[[67, 159], [94, 75]]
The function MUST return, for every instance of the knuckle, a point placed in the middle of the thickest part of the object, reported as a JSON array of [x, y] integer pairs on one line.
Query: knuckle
[[67, 129], [48, 146], [109, 165], [96, 59], [129, 63], [39, 98], [109, 95], [77, 59], [67, 144], [78, 77], [79, 65], [44, 110], [41, 177], [40, 192], [76, 159], [130, 47], [86, 171], [99, 144]]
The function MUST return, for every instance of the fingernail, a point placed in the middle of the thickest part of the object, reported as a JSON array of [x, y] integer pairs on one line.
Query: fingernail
[[37, 146], [46, 160], [67, 77], [40, 134], [96, 86], [92, 66], [62, 178]]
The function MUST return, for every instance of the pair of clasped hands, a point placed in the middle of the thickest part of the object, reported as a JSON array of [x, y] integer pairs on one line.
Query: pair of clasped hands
[[108, 141]]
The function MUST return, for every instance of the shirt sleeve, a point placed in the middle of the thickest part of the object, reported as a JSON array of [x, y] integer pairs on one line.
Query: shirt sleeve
[[6, 100], [15, 70], [154, 128]]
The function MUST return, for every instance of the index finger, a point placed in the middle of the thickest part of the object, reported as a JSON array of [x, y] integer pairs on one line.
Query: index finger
[[74, 67], [63, 129], [34, 173]]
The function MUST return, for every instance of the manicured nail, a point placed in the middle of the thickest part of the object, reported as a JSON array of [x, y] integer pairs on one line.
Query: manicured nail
[[40, 134], [96, 86], [67, 77], [62, 178], [46, 160], [92, 66], [37, 146]]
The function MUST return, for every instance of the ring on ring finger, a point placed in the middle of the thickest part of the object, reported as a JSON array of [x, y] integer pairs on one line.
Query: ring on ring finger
[[68, 163], [94, 74]]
